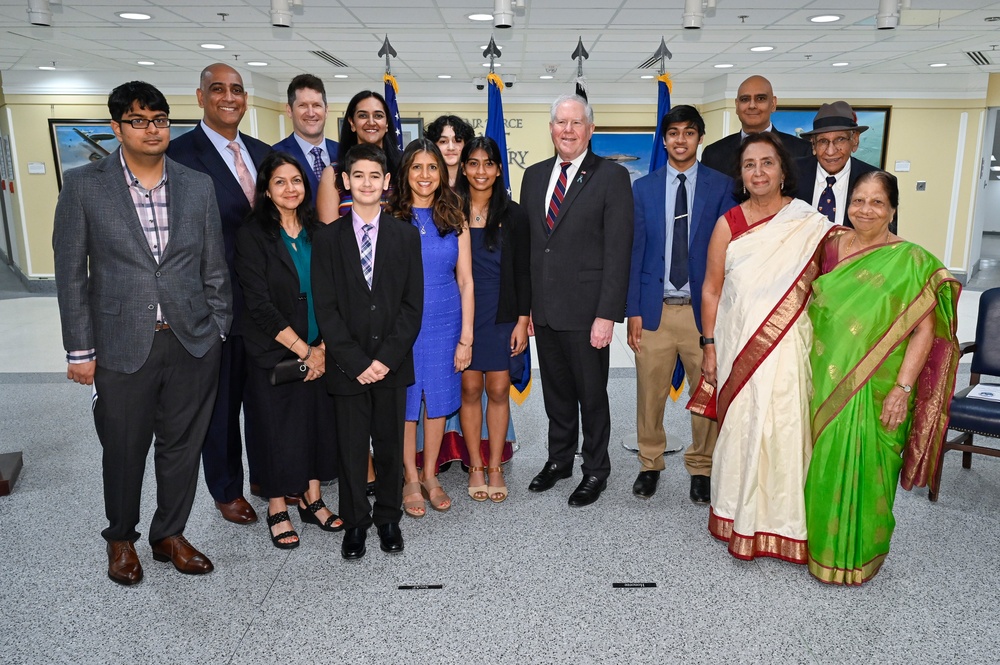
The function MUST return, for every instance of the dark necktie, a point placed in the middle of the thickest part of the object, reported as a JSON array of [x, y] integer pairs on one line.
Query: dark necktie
[[679, 246], [557, 197], [317, 154], [827, 201], [367, 266]]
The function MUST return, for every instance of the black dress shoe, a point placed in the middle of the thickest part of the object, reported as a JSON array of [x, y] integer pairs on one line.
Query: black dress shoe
[[390, 538], [548, 476], [701, 489], [353, 546], [645, 484], [588, 491]]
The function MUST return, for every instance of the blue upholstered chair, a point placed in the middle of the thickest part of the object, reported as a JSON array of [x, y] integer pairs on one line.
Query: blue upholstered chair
[[972, 416]]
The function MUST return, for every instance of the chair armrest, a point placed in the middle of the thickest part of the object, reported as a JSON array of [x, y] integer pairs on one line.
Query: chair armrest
[[966, 347]]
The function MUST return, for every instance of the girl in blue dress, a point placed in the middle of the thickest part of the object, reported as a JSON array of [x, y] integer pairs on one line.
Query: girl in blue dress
[[444, 346]]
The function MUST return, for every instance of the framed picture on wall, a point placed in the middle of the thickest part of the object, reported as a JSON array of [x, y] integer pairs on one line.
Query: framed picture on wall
[[413, 128], [628, 146], [871, 147], [77, 142]]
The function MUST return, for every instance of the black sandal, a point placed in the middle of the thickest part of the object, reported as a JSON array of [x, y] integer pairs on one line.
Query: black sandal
[[308, 516], [276, 519]]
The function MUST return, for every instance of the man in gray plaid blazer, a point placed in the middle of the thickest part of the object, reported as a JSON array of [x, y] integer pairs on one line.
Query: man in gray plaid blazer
[[145, 302]]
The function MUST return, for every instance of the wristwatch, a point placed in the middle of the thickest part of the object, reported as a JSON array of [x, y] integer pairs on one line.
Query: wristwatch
[[704, 341], [906, 389]]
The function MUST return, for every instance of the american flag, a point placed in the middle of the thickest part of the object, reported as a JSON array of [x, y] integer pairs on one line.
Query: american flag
[[391, 88]]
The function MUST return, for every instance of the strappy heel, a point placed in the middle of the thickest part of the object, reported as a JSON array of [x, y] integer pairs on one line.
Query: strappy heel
[[278, 518], [308, 516], [497, 493], [477, 492], [411, 506], [431, 484]]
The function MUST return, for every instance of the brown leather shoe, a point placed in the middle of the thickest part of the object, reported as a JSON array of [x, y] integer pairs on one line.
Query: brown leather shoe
[[237, 511], [123, 563], [178, 551]]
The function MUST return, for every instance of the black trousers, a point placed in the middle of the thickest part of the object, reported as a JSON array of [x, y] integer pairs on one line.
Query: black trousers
[[375, 416], [170, 398], [222, 455], [574, 385]]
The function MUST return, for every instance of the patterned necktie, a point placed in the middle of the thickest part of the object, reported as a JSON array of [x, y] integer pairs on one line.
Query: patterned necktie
[[367, 266], [242, 172], [317, 154], [679, 245], [827, 201], [557, 197]]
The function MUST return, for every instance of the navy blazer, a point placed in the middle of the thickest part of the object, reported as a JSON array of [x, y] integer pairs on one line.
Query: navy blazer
[[292, 147], [713, 196], [195, 150], [721, 155]]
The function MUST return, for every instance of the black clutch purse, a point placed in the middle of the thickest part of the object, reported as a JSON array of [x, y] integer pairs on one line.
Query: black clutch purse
[[288, 371]]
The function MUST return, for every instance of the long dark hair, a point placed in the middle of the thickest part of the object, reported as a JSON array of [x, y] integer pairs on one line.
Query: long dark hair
[[788, 186], [499, 201], [447, 207], [349, 137], [463, 130], [265, 213]]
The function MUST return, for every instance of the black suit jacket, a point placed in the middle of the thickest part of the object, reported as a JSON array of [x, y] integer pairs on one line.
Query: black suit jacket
[[271, 292], [515, 266], [722, 154], [195, 150], [580, 271], [805, 175], [360, 324]]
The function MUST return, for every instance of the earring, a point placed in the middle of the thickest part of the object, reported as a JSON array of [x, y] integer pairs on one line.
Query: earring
[[782, 184], [744, 190]]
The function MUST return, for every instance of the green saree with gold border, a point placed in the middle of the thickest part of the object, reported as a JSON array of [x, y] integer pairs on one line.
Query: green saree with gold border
[[863, 312]]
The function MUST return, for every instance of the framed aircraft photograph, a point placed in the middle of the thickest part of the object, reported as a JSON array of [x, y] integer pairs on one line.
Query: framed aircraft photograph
[[77, 142], [872, 146], [629, 146]]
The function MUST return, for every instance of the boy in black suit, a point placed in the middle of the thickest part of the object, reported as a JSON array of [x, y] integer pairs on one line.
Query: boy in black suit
[[369, 295]]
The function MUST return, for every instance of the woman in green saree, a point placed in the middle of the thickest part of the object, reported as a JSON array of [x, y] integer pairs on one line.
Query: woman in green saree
[[883, 364]]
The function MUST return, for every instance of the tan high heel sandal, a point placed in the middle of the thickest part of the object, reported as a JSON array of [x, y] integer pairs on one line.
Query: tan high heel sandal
[[437, 503], [496, 491], [412, 505], [477, 492]]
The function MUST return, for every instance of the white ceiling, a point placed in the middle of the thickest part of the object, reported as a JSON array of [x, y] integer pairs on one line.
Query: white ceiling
[[88, 41]]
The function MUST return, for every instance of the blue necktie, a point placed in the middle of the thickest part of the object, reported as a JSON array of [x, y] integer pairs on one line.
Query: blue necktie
[[679, 245], [827, 201], [367, 265], [317, 154]]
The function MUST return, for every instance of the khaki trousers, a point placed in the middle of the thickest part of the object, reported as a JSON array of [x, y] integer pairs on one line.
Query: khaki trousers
[[654, 367]]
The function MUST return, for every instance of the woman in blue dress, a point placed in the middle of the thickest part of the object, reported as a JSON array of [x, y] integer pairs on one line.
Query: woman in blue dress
[[498, 230], [444, 346]]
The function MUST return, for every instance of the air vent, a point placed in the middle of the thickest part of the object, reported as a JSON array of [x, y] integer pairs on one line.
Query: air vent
[[333, 60], [978, 57], [653, 61]]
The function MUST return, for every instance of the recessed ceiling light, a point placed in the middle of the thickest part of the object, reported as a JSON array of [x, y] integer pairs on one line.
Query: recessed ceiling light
[[134, 16], [145, 62], [724, 65], [825, 18], [444, 76], [495, 64], [340, 76], [257, 63], [646, 76], [480, 17], [545, 77], [212, 46], [761, 49], [939, 64], [840, 64], [47, 68]]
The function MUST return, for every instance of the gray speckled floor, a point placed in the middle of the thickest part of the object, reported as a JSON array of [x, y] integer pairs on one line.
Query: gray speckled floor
[[527, 581]]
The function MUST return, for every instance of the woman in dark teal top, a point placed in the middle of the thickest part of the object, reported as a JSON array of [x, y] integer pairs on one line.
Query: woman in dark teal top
[[292, 421]]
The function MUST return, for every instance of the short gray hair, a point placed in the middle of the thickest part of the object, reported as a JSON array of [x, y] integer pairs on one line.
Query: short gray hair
[[572, 98]]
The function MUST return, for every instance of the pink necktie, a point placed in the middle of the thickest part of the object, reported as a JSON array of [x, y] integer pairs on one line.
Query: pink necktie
[[242, 172]]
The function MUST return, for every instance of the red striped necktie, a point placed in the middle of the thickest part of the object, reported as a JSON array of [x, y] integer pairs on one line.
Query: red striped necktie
[[557, 197]]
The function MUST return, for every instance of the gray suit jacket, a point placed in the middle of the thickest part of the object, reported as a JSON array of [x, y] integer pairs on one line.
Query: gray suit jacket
[[112, 306]]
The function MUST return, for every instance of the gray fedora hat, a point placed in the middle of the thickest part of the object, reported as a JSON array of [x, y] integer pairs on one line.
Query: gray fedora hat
[[835, 117]]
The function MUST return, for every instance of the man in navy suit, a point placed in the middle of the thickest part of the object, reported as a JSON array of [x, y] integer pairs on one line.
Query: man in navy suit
[[230, 157], [307, 108], [676, 208]]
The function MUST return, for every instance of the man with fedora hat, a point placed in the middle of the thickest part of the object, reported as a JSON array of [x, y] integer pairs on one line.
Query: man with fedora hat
[[826, 178]]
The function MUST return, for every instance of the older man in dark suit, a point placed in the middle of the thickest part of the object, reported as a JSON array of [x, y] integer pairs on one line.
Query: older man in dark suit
[[755, 102], [579, 210], [145, 300], [826, 178], [307, 109], [230, 157]]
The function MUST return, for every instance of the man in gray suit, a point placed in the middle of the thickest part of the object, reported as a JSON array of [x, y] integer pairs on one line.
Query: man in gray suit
[[145, 302]]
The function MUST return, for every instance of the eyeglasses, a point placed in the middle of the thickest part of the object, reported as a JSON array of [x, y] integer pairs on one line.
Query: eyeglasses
[[143, 123], [839, 143]]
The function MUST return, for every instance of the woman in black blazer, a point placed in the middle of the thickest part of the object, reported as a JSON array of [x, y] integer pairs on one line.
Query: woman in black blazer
[[501, 273], [295, 419]]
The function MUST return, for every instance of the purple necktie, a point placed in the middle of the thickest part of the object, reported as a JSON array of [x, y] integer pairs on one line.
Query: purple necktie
[[317, 154]]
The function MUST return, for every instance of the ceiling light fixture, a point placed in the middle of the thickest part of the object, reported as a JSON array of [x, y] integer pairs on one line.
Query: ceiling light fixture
[[39, 12], [212, 47], [724, 65], [134, 16], [825, 18], [145, 63], [939, 64], [480, 17], [761, 49], [444, 76], [546, 77], [340, 76], [646, 76], [256, 63], [840, 64], [495, 64], [47, 68], [995, 168]]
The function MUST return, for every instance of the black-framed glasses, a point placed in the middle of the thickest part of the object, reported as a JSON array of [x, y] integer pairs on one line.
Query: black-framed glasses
[[143, 123]]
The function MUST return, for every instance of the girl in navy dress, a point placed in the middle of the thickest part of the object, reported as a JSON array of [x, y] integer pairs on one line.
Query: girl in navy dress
[[498, 230], [444, 346]]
